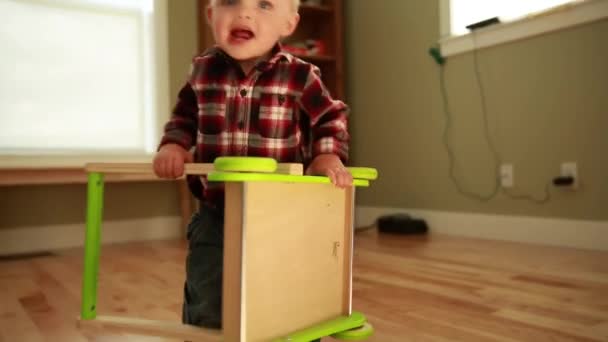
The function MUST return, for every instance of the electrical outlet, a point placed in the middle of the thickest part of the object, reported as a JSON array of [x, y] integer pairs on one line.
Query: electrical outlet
[[570, 169], [506, 176]]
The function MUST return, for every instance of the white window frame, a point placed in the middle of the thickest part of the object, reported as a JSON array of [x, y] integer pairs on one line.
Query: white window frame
[[565, 16], [161, 103]]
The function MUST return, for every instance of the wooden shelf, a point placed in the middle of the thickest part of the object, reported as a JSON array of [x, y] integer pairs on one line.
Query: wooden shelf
[[306, 8], [317, 58], [324, 22]]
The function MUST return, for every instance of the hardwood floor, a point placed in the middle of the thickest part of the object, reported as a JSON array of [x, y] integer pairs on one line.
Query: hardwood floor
[[410, 288]]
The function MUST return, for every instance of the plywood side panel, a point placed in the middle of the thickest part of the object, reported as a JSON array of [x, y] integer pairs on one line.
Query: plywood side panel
[[231, 296], [349, 211], [294, 267]]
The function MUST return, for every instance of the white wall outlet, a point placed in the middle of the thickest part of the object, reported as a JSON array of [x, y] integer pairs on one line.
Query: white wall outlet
[[570, 169], [506, 176]]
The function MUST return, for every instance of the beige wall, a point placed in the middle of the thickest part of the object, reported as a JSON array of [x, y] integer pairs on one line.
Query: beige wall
[[547, 100], [65, 204], [183, 36]]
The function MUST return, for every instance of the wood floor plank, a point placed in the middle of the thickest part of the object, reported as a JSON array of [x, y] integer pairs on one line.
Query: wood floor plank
[[411, 288], [578, 331], [15, 323]]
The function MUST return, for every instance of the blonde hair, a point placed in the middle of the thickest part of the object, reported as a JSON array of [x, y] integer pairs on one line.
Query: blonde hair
[[295, 3]]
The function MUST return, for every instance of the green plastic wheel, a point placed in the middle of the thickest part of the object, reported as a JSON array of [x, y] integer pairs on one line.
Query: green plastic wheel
[[245, 164], [356, 334], [368, 173]]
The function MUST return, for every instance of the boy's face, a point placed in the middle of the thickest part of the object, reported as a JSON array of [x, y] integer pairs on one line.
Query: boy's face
[[249, 29]]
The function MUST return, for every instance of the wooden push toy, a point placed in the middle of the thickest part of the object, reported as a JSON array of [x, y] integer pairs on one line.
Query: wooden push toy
[[288, 252]]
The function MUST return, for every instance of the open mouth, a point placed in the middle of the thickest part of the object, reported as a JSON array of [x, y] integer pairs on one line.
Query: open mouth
[[241, 34]]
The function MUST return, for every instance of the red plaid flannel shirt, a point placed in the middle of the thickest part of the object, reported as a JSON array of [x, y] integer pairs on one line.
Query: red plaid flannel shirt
[[281, 109]]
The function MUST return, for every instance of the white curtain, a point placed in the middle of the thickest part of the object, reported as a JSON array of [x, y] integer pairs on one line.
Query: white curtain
[[77, 76]]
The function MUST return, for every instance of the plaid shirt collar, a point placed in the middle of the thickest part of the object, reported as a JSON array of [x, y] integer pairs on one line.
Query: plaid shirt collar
[[277, 54]]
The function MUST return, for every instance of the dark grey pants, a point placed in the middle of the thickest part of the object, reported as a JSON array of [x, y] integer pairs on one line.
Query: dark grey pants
[[204, 265]]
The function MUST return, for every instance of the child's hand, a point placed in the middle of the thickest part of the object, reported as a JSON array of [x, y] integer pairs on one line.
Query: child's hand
[[169, 161], [331, 166]]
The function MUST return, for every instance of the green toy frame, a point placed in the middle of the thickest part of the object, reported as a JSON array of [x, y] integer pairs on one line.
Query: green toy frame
[[353, 327]]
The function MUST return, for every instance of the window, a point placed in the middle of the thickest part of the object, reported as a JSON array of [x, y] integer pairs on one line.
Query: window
[[466, 12], [519, 19], [82, 77]]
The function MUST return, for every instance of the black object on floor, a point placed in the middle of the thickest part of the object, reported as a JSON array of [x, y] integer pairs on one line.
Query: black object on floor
[[401, 224]]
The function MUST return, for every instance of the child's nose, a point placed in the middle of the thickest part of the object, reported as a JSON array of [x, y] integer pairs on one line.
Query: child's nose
[[245, 12]]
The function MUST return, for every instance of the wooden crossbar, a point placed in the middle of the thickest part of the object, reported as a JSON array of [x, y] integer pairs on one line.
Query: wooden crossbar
[[151, 328], [189, 169]]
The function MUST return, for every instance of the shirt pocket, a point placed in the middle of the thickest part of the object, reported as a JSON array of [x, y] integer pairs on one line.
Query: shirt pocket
[[276, 115], [212, 113]]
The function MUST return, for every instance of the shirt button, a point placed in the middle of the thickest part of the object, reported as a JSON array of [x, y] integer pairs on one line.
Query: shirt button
[[243, 92], [241, 124]]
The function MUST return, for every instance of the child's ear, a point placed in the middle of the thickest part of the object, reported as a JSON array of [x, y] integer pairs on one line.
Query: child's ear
[[291, 25]]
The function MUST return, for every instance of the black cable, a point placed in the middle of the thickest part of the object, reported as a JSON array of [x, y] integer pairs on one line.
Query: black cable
[[446, 143], [546, 198], [495, 154], [484, 111]]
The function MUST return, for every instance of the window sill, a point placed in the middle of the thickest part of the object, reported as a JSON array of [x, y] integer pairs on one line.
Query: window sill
[[70, 161], [560, 18], [46, 170], [55, 176]]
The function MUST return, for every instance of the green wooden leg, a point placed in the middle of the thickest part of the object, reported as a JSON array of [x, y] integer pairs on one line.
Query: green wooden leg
[[329, 328], [92, 246]]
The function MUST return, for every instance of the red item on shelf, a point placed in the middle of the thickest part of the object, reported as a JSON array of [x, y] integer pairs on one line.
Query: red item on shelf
[[310, 47], [295, 50]]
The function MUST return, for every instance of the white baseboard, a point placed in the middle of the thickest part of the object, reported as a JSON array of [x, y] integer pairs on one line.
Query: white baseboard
[[545, 231], [48, 238]]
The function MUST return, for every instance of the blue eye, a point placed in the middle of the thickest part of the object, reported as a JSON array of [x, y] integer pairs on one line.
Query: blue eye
[[267, 5], [228, 2]]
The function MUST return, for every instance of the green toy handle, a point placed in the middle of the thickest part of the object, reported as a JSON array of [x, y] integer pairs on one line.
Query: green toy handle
[[269, 165], [368, 173]]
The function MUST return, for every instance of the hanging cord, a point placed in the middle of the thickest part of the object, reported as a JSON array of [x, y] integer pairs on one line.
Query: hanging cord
[[451, 157], [546, 197], [484, 110], [495, 154]]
